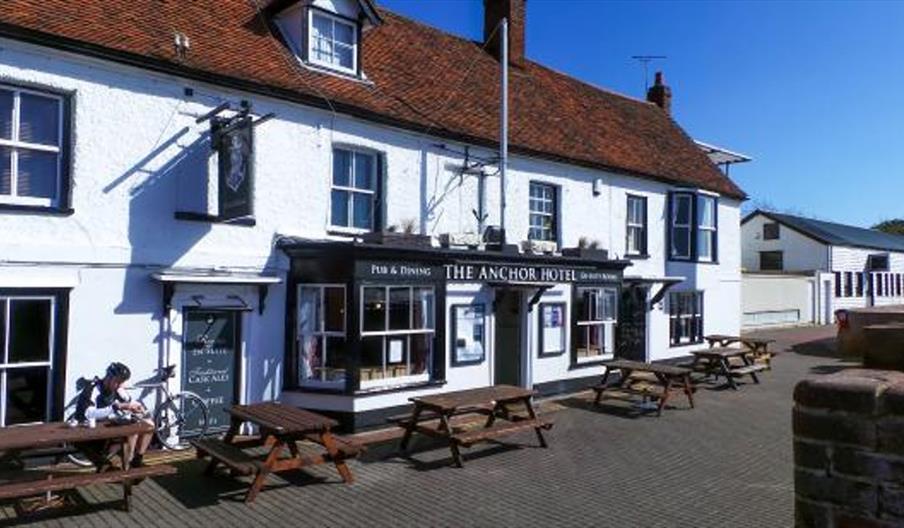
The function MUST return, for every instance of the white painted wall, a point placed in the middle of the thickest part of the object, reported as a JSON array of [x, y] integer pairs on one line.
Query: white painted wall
[[801, 253], [771, 293], [137, 149]]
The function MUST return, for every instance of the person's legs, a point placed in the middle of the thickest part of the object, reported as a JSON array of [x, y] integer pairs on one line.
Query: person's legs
[[141, 445]]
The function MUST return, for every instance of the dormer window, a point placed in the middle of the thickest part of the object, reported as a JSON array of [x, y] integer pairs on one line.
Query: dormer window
[[333, 42], [326, 35]]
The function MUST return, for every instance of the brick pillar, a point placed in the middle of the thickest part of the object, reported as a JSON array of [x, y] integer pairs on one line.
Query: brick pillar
[[849, 450]]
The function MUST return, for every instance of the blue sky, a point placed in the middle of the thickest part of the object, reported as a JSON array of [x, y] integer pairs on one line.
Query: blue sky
[[814, 91]]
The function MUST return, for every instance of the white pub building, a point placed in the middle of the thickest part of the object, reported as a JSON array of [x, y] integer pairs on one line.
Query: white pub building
[[302, 200]]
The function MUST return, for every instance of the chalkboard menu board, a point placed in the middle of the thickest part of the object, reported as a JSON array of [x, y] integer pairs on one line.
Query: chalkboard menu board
[[209, 363]]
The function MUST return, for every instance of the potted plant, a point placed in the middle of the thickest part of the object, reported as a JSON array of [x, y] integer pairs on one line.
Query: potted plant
[[540, 246], [404, 235], [587, 249], [470, 240]]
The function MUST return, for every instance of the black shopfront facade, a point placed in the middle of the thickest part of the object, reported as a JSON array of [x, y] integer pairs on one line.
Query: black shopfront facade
[[370, 325]]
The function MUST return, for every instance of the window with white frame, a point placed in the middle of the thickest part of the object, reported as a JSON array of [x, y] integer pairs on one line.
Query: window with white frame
[[31, 147], [636, 225], [543, 212], [596, 313], [682, 225], [706, 228], [693, 227], [332, 42], [26, 338], [397, 335], [321, 335], [354, 197], [685, 318]]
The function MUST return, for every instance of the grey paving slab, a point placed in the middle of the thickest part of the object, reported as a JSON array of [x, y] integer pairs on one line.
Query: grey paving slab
[[726, 463]]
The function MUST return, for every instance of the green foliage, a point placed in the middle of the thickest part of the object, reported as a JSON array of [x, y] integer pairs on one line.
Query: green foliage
[[894, 226]]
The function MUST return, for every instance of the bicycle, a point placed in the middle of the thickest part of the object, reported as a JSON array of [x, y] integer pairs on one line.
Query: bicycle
[[175, 413]]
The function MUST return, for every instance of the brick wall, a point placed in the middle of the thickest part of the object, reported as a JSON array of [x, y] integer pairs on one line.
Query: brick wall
[[849, 449]]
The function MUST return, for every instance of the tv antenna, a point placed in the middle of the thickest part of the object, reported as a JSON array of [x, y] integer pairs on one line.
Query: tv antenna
[[646, 60]]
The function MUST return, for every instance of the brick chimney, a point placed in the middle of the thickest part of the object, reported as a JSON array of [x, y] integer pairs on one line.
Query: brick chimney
[[660, 94], [493, 13]]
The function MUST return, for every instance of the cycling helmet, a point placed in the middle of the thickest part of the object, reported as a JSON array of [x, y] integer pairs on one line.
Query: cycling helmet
[[119, 371]]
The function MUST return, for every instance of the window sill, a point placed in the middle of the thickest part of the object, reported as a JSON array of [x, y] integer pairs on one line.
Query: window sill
[[316, 390], [638, 256], [399, 388], [691, 261], [328, 67], [346, 232], [247, 221], [469, 363], [36, 209], [595, 363], [682, 345], [543, 355]]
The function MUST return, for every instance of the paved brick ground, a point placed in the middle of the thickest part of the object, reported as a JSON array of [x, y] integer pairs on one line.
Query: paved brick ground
[[726, 463]]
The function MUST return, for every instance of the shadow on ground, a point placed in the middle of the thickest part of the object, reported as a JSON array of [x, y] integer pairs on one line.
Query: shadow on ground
[[825, 348]]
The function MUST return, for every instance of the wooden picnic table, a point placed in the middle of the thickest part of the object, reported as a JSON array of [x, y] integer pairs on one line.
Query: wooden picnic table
[[717, 362], [281, 427], [669, 377], [494, 402], [757, 345], [95, 442]]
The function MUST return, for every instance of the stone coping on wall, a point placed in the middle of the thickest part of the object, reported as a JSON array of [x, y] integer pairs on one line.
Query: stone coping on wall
[[849, 449]]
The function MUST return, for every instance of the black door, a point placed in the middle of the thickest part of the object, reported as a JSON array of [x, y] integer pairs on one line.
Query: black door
[[507, 349], [631, 334], [210, 362]]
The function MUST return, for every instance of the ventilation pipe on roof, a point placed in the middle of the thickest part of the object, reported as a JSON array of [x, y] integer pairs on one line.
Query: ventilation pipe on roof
[[660, 94]]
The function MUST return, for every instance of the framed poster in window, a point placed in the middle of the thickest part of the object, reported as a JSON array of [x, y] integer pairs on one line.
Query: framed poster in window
[[468, 334], [552, 329]]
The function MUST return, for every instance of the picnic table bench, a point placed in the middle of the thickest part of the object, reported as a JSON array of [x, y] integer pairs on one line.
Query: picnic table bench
[[717, 362], [669, 378], [758, 346], [281, 427], [49, 436], [493, 402]]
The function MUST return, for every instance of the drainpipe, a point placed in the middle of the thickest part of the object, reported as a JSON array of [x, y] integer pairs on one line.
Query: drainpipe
[[503, 125]]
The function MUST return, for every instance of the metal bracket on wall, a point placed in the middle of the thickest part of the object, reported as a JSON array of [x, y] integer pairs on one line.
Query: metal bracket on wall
[[536, 298], [262, 290], [168, 290]]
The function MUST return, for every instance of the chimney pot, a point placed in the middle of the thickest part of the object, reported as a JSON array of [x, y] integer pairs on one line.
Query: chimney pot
[[660, 94], [493, 13]]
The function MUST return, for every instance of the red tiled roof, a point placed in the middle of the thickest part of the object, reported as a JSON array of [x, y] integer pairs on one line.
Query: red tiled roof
[[421, 79]]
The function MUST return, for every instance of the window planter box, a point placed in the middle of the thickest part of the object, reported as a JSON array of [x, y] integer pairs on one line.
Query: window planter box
[[471, 240], [586, 253], [540, 246], [389, 238]]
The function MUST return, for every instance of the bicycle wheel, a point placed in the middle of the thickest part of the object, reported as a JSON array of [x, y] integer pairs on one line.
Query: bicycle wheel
[[178, 419]]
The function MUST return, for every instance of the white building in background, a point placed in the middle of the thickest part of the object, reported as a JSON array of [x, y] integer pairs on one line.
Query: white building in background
[[291, 207], [800, 270]]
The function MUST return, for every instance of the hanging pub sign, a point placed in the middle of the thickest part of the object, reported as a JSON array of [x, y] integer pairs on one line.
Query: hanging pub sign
[[483, 272], [233, 139]]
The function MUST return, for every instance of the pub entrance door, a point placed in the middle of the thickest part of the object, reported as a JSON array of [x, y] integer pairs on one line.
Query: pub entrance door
[[211, 342], [507, 366], [631, 332]]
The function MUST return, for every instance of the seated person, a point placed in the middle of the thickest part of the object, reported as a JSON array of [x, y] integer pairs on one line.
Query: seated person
[[104, 396]]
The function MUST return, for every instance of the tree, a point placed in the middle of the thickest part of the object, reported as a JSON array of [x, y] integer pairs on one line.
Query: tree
[[894, 226]]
